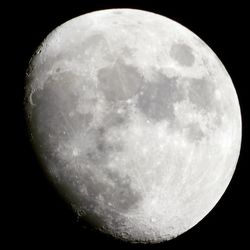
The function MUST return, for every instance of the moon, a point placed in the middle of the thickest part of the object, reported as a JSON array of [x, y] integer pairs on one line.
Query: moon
[[135, 121]]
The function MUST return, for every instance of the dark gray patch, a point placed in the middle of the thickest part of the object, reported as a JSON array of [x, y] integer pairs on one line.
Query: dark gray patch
[[123, 197], [158, 97], [91, 220], [201, 93], [218, 117], [106, 148], [117, 12], [119, 195], [115, 119], [58, 69], [116, 198], [194, 132], [182, 53], [92, 41], [119, 82], [96, 148]]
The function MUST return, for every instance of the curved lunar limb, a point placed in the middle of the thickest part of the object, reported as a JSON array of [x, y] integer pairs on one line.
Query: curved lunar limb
[[135, 120]]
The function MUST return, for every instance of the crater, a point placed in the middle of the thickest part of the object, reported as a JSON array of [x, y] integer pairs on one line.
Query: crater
[[157, 98], [119, 81], [182, 53]]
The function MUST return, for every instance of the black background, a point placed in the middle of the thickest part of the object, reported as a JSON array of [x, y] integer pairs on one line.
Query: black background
[[36, 216]]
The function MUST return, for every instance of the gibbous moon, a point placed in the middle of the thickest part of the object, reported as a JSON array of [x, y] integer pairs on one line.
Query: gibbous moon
[[136, 122]]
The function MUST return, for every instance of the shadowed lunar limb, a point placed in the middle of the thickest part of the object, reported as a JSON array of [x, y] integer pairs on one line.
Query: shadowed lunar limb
[[110, 189], [105, 191]]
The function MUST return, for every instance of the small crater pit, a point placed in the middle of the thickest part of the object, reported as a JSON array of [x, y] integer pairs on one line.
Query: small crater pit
[[58, 69]]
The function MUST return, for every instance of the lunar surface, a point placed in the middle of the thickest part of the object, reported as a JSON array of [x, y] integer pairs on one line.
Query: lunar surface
[[136, 122]]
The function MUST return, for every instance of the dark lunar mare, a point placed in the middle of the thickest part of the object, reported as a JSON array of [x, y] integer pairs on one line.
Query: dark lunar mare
[[120, 81], [182, 53], [158, 97]]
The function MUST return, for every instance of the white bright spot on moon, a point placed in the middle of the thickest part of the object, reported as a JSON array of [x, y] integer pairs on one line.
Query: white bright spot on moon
[[217, 94], [136, 120], [76, 151]]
